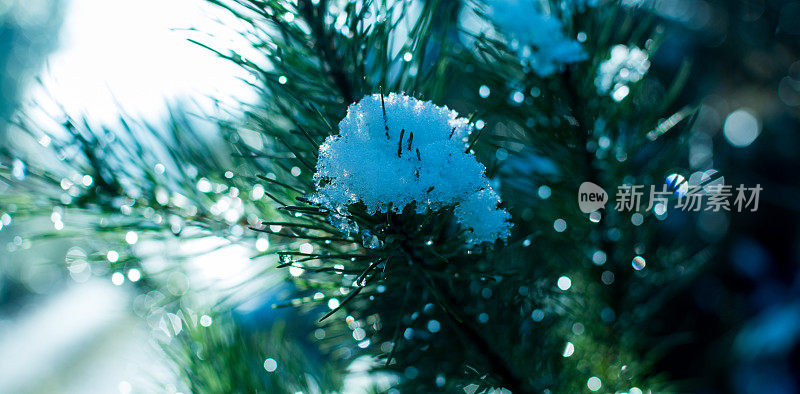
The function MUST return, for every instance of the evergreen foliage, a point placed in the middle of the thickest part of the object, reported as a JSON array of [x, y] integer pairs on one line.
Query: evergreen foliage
[[554, 305]]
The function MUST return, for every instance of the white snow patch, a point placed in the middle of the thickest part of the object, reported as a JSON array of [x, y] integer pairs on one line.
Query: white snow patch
[[376, 161]]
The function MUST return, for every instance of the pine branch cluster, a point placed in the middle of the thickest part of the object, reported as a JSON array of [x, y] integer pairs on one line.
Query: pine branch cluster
[[402, 289]]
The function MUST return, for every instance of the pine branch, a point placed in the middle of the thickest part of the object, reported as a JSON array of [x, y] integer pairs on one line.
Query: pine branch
[[497, 361], [324, 45]]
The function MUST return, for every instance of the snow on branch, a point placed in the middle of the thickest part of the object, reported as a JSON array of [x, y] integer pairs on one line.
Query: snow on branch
[[538, 36], [395, 151]]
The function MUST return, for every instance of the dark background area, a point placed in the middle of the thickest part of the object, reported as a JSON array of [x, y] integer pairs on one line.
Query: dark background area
[[742, 316]]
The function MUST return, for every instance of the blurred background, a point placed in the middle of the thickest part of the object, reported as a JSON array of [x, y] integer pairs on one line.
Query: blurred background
[[65, 331], [68, 330]]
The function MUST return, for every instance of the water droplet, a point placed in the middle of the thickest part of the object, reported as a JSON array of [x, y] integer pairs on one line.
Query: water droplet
[[262, 244], [677, 184], [296, 271], [306, 248], [607, 277], [564, 283], [608, 315], [369, 240], [620, 92], [117, 278], [544, 192], [594, 383], [343, 223], [638, 263], [204, 185], [599, 257], [741, 128], [270, 365], [131, 238], [112, 256], [134, 275], [569, 349], [18, 170]]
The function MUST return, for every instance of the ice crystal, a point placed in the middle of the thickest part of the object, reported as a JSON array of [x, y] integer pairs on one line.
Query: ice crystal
[[369, 240], [397, 151]]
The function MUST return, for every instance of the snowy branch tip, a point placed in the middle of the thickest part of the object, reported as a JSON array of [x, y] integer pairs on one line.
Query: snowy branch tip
[[538, 35], [395, 150]]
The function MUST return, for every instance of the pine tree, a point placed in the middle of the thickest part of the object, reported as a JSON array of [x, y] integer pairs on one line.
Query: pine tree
[[360, 165]]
